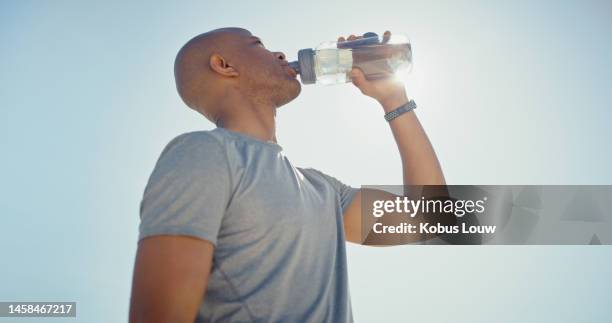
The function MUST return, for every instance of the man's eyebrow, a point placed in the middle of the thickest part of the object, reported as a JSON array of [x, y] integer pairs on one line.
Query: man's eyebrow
[[255, 38]]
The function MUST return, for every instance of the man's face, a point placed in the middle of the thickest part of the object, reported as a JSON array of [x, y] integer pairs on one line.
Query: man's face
[[265, 74]]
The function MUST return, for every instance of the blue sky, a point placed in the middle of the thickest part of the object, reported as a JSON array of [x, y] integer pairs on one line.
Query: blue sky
[[509, 93]]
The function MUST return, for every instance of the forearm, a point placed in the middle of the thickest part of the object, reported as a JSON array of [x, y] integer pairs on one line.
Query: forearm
[[419, 162]]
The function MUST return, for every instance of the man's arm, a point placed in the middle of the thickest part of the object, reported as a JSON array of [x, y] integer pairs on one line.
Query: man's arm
[[419, 162], [170, 278]]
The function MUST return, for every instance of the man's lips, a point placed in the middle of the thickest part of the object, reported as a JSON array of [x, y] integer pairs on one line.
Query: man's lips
[[290, 70]]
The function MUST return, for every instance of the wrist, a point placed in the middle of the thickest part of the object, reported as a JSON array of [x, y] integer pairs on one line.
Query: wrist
[[390, 103]]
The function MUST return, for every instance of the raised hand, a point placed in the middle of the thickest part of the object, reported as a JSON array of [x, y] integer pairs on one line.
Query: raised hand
[[389, 92]]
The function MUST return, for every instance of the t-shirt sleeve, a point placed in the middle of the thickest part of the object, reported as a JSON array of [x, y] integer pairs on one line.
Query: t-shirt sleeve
[[188, 190], [346, 192]]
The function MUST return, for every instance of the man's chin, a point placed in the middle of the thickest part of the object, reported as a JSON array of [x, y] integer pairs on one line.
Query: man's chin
[[297, 90], [292, 92], [298, 87]]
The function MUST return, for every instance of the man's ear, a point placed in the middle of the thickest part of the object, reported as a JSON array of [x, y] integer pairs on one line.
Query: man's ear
[[221, 66]]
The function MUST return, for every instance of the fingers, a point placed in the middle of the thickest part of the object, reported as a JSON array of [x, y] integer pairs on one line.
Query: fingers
[[386, 36], [357, 77], [350, 38]]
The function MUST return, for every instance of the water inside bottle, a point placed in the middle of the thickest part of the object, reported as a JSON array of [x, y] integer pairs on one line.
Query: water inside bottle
[[333, 65], [379, 62]]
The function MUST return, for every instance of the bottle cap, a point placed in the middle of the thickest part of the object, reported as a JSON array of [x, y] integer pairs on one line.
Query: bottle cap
[[306, 66]]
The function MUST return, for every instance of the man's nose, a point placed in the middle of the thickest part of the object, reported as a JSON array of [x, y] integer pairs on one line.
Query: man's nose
[[279, 55]]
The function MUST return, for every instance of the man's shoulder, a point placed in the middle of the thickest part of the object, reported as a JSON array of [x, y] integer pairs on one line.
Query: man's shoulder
[[194, 146], [201, 137], [194, 141], [308, 171], [312, 173]]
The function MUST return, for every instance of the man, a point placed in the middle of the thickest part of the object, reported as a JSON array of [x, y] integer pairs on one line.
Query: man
[[231, 230]]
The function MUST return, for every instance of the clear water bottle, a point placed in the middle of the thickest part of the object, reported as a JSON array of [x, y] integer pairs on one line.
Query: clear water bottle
[[331, 62]]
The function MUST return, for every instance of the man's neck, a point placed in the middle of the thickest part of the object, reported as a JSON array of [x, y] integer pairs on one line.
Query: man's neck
[[250, 118]]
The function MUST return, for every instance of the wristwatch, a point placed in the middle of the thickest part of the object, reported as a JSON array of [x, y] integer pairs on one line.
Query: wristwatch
[[406, 107]]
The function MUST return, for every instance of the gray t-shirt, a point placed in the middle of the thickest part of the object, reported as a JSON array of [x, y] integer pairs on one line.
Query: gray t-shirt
[[277, 229]]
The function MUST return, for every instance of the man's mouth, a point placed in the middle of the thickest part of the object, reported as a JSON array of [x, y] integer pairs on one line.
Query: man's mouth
[[290, 71]]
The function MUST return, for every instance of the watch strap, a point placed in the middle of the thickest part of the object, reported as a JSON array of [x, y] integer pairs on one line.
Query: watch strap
[[406, 107]]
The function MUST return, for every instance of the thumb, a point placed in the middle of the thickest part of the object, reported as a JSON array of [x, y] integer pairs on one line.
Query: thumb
[[358, 78]]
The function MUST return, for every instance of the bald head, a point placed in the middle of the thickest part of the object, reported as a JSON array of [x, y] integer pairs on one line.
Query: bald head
[[231, 61], [195, 79]]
